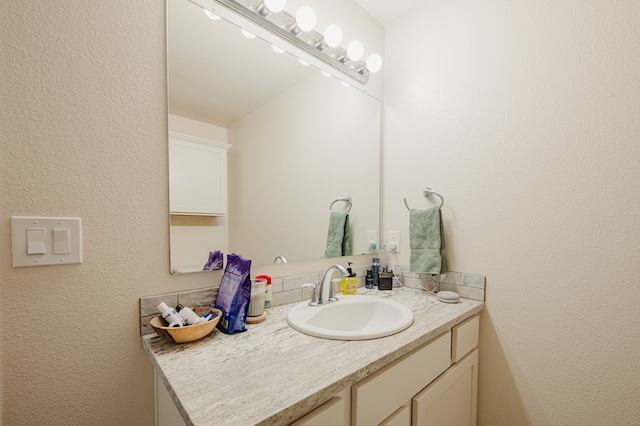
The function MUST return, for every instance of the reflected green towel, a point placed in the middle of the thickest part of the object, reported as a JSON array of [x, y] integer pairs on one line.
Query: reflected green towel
[[426, 240], [338, 237]]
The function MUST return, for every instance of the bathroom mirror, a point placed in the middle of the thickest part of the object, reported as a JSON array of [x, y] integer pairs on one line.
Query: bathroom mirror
[[298, 142]]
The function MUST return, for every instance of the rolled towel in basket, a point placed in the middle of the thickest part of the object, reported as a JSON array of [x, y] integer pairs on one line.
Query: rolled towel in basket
[[426, 240]]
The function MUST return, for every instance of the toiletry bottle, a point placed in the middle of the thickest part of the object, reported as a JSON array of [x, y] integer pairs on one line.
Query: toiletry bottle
[[267, 298], [386, 280], [369, 279], [375, 270], [350, 283], [187, 313], [170, 315]]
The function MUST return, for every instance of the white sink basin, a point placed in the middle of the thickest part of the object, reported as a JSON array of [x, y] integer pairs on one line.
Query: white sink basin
[[351, 318]]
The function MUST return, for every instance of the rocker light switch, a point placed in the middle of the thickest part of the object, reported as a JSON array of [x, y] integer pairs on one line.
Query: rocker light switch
[[61, 241], [36, 241]]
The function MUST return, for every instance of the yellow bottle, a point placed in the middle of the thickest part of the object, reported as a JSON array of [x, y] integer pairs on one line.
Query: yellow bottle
[[350, 283]]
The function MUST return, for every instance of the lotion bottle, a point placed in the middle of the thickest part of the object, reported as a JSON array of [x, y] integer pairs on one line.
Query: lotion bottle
[[188, 314], [350, 283], [170, 315]]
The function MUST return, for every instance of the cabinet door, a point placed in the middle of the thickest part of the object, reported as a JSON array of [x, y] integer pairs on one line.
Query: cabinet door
[[451, 400], [197, 176]]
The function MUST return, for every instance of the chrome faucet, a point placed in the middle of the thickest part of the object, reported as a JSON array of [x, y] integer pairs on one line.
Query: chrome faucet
[[326, 292]]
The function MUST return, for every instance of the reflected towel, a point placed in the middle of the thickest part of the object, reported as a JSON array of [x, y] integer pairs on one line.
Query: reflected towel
[[338, 237], [426, 240]]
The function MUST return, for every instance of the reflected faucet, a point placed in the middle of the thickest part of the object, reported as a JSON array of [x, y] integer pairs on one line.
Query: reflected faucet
[[280, 259], [326, 292]]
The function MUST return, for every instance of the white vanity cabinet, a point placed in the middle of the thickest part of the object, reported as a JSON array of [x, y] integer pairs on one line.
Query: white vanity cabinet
[[435, 384], [197, 176]]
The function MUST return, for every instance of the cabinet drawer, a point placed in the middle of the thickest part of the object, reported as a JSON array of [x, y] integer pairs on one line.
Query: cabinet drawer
[[379, 395], [465, 338], [330, 413]]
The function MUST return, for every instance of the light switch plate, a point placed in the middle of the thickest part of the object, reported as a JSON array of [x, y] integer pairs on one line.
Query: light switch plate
[[63, 247]]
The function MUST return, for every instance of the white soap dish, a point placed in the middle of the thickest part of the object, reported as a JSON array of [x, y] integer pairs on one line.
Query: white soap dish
[[448, 296]]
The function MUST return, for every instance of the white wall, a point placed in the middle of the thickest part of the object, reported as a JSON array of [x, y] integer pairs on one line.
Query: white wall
[[525, 115], [279, 205]]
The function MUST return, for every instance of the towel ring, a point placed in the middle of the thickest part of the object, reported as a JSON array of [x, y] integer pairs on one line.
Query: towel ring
[[346, 199], [427, 192]]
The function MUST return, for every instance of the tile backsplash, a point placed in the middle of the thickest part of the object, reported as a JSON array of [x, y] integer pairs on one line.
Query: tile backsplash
[[288, 289]]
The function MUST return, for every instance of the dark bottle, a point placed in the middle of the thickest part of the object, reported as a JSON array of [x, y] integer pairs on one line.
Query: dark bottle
[[375, 270], [368, 280]]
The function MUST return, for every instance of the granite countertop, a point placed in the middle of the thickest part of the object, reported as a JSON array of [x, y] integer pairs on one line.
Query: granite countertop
[[273, 374]]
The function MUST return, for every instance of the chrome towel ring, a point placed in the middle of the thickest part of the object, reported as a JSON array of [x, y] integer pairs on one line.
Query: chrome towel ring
[[427, 192], [346, 199]]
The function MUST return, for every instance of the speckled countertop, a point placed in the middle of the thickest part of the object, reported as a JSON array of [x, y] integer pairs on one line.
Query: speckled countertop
[[272, 374]]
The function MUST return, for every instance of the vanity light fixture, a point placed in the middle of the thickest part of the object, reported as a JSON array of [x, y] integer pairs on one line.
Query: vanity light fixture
[[305, 18], [355, 50], [276, 6], [333, 35], [275, 24]]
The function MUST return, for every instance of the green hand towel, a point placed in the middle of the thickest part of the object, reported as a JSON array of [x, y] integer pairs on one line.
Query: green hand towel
[[426, 240], [338, 237]]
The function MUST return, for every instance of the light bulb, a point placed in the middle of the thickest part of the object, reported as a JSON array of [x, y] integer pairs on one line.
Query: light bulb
[[277, 49], [211, 15], [355, 50], [275, 5], [333, 35], [305, 18], [247, 34], [374, 62]]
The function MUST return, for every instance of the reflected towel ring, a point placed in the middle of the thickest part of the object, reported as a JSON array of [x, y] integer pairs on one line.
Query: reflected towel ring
[[427, 192], [346, 199]]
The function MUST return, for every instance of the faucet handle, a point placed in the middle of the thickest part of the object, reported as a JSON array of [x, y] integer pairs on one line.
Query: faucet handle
[[314, 293]]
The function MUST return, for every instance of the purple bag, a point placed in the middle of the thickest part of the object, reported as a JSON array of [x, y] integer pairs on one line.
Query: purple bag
[[214, 262], [234, 294]]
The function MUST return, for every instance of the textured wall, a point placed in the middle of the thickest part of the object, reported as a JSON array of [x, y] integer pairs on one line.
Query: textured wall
[[525, 115], [83, 122]]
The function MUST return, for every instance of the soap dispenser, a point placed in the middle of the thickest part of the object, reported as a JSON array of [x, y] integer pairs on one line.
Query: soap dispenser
[[350, 283]]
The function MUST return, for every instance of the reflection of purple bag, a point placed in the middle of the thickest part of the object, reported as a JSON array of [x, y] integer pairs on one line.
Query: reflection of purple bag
[[234, 294], [214, 262]]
